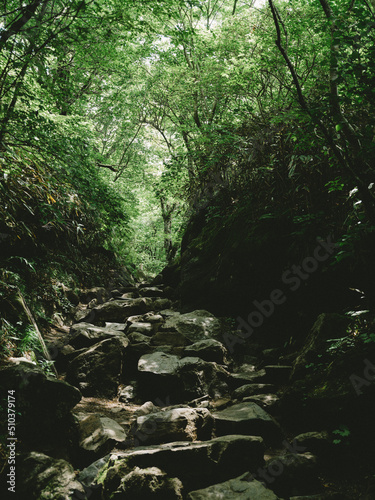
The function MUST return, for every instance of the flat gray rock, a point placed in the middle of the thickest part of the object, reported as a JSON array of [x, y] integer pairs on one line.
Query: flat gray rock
[[248, 419], [197, 464], [151, 291], [315, 442], [99, 435], [162, 374], [299, 474], [177, 424], [45, 478], [208, 350], [195, 326], [120, 310], [144, 328], [136, 338], [248, 377], [167, 313], [236, 489], [251, 390], [159, 363], [265, 401], [121, 327], [85, 334], [147, 483]]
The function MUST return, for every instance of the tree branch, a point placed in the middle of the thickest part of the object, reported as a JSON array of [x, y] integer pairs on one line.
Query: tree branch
[[292, 70], [18, 24], [110, 167]]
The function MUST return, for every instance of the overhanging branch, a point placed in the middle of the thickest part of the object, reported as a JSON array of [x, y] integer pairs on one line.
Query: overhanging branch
[[110, 167]]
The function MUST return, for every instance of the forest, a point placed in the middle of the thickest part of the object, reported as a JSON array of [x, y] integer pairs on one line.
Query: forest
[[197, 171]]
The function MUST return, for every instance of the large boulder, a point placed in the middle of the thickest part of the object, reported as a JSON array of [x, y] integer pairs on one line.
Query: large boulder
[[317, 443], [149, 483], [181, 379], [97, 370], [208, 350], [98, 436], [158, 374], [40, 477], [85, 334], [234, 489], [136, 338], [249, 419], [42, 404], [292, 474], [197, 464], [159, 363], [161, 303], [196, 325], [119, 310], [177, 424], [198, 378], [268, 402]]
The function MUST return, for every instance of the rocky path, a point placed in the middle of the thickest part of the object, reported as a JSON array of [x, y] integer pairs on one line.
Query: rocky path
[[151, 406]]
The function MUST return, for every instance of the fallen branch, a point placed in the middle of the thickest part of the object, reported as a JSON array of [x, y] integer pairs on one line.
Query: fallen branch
[[33, 322]]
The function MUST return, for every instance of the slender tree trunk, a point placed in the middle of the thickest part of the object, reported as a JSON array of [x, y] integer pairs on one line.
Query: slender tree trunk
[[351, 162], [12, 104], [19, 23], [166, 212]]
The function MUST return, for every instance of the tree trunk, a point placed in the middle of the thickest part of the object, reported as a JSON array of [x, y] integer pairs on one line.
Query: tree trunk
[[166, 212]]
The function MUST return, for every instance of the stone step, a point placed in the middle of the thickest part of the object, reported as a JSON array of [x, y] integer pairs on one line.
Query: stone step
[[242, 378], [249, 419], [197, 464], [86, 335], [251, 390], [176, 424], [151, 291], [234, 489], [265, 401]]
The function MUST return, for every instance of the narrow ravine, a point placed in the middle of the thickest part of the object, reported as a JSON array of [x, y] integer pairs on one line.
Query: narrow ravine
[[150, 404]]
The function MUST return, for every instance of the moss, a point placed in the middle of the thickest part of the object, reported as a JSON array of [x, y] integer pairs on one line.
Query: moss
[[102, 474], [112, 469]]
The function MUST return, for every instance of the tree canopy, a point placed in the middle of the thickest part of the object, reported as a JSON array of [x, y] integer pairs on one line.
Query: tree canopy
[[126, 105]]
